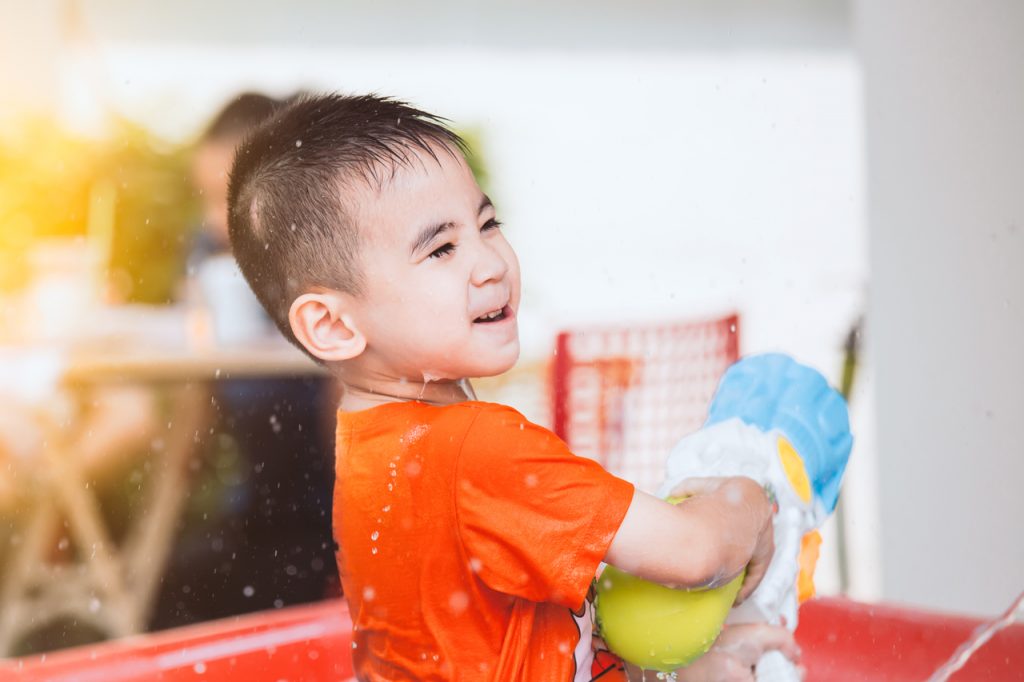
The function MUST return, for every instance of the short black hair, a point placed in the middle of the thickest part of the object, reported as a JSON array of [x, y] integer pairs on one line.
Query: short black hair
[[239, 116], [290, 225]]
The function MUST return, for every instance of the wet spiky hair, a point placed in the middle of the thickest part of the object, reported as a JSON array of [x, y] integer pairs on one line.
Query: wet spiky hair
[[290, 217]]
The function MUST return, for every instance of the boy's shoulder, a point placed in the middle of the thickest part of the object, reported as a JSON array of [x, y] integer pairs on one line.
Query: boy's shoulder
[[466, 431], [413, 411]]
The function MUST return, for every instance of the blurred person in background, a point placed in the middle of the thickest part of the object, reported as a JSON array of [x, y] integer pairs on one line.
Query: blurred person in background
[[258, 531]]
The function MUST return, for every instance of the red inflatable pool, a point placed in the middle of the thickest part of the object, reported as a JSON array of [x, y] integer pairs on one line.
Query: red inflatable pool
[[842, 641]]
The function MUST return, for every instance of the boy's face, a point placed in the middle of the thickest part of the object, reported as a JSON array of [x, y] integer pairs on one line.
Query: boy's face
[[440, 282]]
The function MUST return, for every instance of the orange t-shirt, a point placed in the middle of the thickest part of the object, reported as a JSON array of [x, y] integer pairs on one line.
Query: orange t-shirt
[[468, 541]]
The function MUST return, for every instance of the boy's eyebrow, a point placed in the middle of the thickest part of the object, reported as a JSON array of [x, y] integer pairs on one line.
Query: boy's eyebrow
[[428, 233]]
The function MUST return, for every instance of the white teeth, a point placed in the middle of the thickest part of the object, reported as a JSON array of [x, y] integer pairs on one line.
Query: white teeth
[[491, 315]]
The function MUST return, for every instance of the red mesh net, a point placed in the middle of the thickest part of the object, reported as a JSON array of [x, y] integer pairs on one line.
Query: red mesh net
[[625, 396]]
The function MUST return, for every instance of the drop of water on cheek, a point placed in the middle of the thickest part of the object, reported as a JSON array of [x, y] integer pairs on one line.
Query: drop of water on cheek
[[374, 535]]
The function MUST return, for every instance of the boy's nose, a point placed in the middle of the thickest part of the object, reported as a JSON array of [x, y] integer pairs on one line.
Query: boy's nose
[[490, 266]]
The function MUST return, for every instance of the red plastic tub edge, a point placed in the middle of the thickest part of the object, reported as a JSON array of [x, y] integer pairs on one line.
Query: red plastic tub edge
[[301, 644], [842, 640]]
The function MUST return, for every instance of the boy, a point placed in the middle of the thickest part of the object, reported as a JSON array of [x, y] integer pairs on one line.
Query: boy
[[468, 536]]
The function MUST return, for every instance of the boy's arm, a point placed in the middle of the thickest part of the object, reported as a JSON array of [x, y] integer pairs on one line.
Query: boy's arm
[[704, 541]]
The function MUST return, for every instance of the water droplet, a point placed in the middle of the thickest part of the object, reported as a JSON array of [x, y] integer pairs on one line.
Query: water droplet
[[458, 601], [278, 603], [374, 535], [298, 143], [386, 508], [248, 590], [373, 550], [369, 594], [199, 667]]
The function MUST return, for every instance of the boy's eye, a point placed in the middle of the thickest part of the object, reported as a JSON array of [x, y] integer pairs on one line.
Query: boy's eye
[[442, 250], [491, 224]]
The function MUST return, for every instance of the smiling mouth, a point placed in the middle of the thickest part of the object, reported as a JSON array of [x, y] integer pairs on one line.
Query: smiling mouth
[[494, 316]]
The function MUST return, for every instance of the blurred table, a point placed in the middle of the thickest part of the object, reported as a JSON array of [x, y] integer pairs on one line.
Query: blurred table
[[107, 584], [149, 365]]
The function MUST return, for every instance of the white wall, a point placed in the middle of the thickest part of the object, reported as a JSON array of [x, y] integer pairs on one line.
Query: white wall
[[28, 58], [944, 88]]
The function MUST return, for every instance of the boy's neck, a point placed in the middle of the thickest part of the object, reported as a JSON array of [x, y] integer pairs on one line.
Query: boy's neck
[[362, 395]]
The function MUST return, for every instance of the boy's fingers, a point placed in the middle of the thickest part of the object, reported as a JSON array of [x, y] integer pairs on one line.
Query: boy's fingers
[[748, 642], [758, 566], [755, 572], [775, 638]]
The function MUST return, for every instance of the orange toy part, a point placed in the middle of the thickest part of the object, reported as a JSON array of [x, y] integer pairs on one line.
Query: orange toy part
[[607, 667], [809, 550]]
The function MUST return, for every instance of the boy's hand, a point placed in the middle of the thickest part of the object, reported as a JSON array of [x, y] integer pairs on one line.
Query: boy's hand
[[737, 651], [746, 494]]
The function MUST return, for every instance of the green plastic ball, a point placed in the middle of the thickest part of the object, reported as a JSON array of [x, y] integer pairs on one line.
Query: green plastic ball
[[656, 627]]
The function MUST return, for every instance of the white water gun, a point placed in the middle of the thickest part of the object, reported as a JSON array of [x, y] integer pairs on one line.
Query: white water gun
[[781, 424]]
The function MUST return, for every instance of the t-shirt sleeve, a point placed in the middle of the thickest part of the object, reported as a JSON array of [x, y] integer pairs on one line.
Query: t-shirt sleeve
[[535, 519]]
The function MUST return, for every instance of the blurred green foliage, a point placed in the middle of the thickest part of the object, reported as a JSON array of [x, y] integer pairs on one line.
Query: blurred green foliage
[[475, 158], [47, 177]]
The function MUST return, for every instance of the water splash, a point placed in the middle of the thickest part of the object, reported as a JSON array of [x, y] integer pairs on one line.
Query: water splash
[[981, 636], [467, 389], [427, 378]]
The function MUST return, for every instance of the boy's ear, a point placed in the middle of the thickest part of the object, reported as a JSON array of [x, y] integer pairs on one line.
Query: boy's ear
[[322, 321]]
